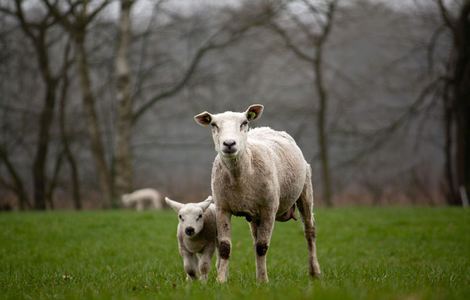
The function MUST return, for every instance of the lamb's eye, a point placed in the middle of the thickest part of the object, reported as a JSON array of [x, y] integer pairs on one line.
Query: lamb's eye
[[213, 125], [243, 124], [200, 216], [181, 218]]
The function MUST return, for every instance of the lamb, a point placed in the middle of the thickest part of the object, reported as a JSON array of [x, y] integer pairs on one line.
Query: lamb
[[143, 199], [260, 174], [197, 236]]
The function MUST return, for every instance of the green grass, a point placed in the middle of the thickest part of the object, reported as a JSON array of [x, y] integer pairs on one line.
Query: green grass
[[365, 253]]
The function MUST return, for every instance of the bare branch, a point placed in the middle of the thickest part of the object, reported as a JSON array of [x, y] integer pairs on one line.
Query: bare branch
[[210, 45], [445, 15], [94, 13], [290, 44]]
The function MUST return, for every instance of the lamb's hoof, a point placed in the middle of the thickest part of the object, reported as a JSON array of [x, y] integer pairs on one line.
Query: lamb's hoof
[[203, 279]]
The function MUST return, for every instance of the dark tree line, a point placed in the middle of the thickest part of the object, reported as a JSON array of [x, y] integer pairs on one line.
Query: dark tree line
[[104, 78]]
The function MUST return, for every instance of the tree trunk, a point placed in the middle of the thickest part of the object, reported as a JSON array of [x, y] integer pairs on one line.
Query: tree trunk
[[94, 130], [456, 98], [123, 159], [77, 201], [322, 124], [451, 193], [18, 185], [40, 158], [462, 95], [53, 182]]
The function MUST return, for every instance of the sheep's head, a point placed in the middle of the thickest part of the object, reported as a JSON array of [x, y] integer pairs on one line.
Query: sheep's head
[[230, 129], [126, 200], [190, 215]]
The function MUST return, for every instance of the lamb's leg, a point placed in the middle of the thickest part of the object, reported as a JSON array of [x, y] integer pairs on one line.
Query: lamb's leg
[[305, 205], [139, 205], [190, 265], [205, 262], [224, 236], [263, 238]]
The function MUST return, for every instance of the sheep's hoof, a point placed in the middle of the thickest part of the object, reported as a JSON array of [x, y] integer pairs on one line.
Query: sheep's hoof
[[262, 280], [221, 279], [315, 273]]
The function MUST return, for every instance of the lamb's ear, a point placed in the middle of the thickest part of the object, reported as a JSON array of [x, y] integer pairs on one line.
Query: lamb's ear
[[254, 112], [205, 204], [173, 204], [203, 118]]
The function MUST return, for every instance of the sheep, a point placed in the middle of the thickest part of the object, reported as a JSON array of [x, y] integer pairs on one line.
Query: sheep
[[197, 236], [260, 174], [142, 199]]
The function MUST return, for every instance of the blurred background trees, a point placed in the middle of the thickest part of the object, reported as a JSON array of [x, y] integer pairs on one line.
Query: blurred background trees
[[97, 97]]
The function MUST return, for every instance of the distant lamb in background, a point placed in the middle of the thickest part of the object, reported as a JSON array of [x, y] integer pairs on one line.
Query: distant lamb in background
[[197, 236], [143, 199]]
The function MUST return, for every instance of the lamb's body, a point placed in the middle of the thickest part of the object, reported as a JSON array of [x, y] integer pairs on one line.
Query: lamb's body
[[205, 239], [197, 236], [143, 199], [275, 166]]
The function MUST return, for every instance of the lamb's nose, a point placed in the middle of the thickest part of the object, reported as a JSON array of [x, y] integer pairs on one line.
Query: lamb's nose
[[189, 231], [229, 143]]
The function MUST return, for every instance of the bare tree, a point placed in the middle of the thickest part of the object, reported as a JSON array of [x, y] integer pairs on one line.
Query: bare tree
[[75, 19], [38, 33], [66, 136], [123, 159], [315, 35], [456, 101]]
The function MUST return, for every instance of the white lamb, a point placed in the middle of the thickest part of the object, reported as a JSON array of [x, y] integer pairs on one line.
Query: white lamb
[[197, 236], [143, 199], [260, 174]]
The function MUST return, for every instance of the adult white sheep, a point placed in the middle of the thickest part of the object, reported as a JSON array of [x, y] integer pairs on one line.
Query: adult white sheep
[[143, 199], [197, 236], [260, 174]]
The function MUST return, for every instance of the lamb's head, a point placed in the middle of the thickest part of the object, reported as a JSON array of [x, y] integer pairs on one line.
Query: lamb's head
[[230, 129], [126, 200], [190, 215]]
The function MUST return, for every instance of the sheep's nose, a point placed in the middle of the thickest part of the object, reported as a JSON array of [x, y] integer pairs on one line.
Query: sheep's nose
[[189, 231], [229, 143]]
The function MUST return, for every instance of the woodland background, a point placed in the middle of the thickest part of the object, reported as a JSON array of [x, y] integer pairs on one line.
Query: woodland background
[[97, 98]]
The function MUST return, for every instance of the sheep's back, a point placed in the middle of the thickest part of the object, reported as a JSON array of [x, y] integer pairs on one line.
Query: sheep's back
[[280, 148]]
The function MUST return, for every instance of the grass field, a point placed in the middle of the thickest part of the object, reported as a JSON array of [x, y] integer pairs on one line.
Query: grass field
[[365, 253]]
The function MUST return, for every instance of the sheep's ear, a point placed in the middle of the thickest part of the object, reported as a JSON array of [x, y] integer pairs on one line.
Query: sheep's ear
[[205, 204], [203, 118], [254, 112], [173, 204]]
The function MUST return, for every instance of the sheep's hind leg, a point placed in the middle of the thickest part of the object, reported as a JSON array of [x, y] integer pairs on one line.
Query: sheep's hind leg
[[253, 228], [305, 206]]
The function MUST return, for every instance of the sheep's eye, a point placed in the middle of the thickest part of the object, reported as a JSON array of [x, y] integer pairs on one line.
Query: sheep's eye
[[200, 216], [181, 218], [214, 125], [243, 124]]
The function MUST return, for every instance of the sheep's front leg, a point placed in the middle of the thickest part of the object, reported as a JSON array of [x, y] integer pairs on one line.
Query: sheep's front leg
[[264, 232], [224, 236], [205, 262], [190, 265]]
